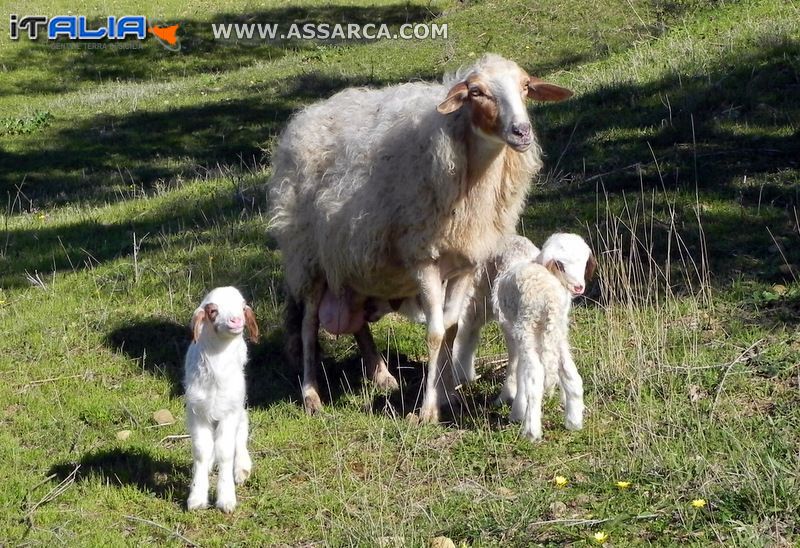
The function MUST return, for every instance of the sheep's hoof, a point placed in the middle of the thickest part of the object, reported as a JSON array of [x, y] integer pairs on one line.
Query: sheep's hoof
[[429, 415], [227, 505], [385, 381], [312, 404]]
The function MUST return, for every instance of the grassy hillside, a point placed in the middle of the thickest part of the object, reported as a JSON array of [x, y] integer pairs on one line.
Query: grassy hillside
[[131, 181]]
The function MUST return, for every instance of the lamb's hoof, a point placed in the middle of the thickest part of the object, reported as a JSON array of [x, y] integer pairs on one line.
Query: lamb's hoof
[[502, 400], [516, 416], [196, 503], [312, 404], [429, 415], [227, 505], [531, 436], [385, 381], [573, 425], [240, 475]]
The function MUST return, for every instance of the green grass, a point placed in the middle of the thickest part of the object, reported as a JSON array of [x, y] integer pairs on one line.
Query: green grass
[[131, 183]]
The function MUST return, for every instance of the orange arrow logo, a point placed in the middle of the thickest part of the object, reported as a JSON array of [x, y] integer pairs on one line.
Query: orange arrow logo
[[168, 34]]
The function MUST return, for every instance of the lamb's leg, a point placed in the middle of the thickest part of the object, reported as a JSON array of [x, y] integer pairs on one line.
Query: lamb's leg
[[202, 435], [242, 464], [430, 286], [466, 341], [531, 372], [376, 367], [509, 391], [224, 450], [310, 334], [571, 388]]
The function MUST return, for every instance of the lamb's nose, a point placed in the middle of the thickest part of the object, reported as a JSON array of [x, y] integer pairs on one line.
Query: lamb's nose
[[578, 289], [235, 322], [521, 130]]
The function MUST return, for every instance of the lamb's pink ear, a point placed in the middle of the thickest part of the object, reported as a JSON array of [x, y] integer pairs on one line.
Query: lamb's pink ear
[[250, 323], [455, 99], [543, 91], [591, 265], [197, 323]]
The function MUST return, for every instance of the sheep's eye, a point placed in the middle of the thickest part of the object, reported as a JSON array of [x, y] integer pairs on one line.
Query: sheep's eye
[[475, 92]]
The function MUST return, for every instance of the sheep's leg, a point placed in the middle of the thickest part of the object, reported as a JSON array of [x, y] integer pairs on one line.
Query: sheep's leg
[[431, 296], [376, 367], [224, 450], [242, 464], [466, 342], [571, 388], [202, 435], [509, 391], [310, 334], [532, 384]]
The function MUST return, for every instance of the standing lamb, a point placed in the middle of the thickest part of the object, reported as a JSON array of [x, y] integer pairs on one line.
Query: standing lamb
[[532, 301], [384, 194], [215, 395], [479, 310]]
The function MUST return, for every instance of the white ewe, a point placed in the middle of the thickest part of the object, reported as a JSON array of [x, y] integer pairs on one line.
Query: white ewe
[[532, 302], [384, 194], [215, 395]]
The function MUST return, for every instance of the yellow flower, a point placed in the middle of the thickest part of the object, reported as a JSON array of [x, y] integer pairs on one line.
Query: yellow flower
[[699, 503], [560, 481], [600, 537], [623, 484]]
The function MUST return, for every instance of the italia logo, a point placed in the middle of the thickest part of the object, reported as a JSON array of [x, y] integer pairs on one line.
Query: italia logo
[[76, 27]]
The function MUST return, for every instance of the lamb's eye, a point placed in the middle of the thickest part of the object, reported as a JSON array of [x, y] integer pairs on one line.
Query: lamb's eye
[[475, 92], [560, 266]]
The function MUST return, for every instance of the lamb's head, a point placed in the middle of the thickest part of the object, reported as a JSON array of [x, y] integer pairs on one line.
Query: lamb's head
[[494, 90], [569, 258], [226, 313]]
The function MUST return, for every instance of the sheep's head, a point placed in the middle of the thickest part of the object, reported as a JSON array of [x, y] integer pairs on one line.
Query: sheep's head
[[569, 258], [225, 311], [494, 91]]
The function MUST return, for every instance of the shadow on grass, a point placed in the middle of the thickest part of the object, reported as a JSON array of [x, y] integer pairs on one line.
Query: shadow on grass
[[130, 467], [159, 344]]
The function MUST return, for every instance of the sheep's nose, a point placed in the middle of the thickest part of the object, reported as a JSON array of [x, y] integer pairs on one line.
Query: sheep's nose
[[578, 289], [521, 130]]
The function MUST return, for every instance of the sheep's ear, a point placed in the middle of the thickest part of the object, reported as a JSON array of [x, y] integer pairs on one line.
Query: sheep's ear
[[591, 265], [455, 99], [543, 91], [197, 323], [250, 323]]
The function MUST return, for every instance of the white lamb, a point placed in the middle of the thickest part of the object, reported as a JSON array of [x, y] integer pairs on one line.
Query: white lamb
[[532, 301], [215, 395]]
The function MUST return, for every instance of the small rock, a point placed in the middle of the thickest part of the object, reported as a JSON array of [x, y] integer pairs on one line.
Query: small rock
[[779, 289], [441, 542], [558, 509], [391, 542], [123, 435], [506, 493], [696, 393], [163, 417]]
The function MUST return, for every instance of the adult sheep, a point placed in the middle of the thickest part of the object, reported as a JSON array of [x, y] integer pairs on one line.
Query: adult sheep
[[382, 194]]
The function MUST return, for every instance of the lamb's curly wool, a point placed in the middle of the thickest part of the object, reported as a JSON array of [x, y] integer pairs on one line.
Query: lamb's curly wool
[[532, 302], [384, 193]]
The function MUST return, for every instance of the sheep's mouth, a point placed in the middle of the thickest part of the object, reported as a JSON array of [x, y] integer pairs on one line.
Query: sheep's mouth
[[520, 144]]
